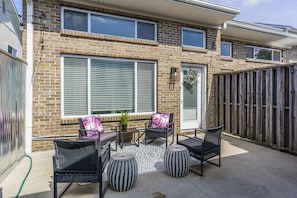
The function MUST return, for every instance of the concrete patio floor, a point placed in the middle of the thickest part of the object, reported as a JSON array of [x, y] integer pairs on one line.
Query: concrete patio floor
[[248, 170]]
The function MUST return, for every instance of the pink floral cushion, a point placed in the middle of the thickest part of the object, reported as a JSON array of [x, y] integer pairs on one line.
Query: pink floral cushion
[[92, 125], [160, 120]]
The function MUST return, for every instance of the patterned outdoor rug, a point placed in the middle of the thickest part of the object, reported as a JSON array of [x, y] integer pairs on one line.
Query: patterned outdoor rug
[[149, 157]]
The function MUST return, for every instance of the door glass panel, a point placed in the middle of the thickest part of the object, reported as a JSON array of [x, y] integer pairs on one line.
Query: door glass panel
[[190, 98]]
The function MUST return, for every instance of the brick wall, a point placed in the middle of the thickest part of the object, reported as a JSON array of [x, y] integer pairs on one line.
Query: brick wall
[[50, 42]]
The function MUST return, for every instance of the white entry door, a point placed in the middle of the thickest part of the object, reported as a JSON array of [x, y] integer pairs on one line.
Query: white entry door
[[191, 97]]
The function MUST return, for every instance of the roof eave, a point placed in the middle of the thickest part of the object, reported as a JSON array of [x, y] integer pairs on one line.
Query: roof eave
[[211, 6], [261, 34], [186, 11]]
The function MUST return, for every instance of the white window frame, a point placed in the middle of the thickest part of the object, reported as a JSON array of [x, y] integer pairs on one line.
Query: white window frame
[[229, 44], [3, 7], [194, 30], [13, 49], [269, 49], [89, 91], [109, 15]]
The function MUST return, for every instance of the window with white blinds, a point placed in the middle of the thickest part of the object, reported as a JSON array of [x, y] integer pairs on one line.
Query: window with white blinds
[[75, 86], [112, 86], [115, 85], [145, 82]]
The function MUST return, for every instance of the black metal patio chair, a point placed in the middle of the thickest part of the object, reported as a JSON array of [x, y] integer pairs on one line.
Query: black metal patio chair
[[204, 149], [161, 126], [77, 161]]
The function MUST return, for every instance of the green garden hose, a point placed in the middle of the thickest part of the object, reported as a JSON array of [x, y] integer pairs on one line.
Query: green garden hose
[[22, 184]]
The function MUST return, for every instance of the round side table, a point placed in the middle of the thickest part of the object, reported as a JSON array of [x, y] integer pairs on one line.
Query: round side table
[[177, 161], [122, 171]]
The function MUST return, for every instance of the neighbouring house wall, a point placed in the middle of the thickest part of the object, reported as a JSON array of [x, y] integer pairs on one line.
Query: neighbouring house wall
[[239, 60], [12, 112], [167, 51], [290, 55], [9, 28]]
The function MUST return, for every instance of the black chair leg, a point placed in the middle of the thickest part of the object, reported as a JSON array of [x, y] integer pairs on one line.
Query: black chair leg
[[100, 186], [220, 159], [64, 190], [116, 145], [55, 188], [201, 168]]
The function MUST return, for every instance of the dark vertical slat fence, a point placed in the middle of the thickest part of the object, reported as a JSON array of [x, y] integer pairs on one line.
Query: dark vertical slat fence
[[269, 107], [260, 105], [293, 109], [234, 93], [227, 107]]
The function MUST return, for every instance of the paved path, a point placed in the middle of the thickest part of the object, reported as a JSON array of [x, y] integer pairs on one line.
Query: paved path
[[248, 170]]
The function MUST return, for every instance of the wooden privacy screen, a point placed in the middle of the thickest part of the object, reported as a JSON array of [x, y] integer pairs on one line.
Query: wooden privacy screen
[[260, 105]]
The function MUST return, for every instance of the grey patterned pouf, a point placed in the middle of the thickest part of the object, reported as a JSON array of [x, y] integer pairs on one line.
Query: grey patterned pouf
[[122, 171], [177, 161]]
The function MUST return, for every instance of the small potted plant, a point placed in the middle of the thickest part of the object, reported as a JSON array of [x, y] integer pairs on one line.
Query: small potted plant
[[124, 120]]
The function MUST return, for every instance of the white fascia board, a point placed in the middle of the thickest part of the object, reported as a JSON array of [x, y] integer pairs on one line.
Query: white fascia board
[[211, 6], [260, 28]]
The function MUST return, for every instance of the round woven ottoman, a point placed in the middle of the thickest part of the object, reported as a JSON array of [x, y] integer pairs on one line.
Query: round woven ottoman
[[122, 171], [177, 161]]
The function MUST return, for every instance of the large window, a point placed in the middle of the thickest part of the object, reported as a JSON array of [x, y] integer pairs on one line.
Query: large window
[[193, 38], [226, 49], [107, 86], [93, 22], [263, 53]]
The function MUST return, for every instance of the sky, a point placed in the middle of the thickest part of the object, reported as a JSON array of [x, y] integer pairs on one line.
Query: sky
[[18, 5], [279, 12]]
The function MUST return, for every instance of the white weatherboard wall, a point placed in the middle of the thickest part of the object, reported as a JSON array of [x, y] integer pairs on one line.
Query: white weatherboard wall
[[10, 33]]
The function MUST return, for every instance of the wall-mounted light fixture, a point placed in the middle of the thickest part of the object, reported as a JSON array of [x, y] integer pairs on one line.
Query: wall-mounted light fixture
[[172, 77]]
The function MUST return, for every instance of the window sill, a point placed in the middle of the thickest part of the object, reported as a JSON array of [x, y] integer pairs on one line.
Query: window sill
[[107, 118], [230, 59], [262, 61], [194, 49], [107, 37]]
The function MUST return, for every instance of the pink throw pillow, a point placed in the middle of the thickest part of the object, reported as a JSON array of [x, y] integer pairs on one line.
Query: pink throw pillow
[[93, 125], [160, 120]]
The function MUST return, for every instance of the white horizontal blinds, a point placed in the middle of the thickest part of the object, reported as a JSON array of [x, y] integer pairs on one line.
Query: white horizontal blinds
[[75, 86], [145, 87], [112, 86]]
